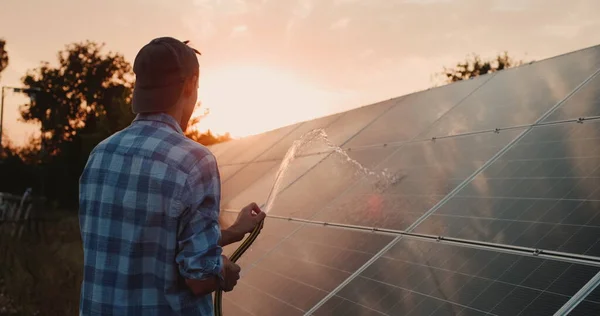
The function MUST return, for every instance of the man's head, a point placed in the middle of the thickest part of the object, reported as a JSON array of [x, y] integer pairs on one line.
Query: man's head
[[167, 72]]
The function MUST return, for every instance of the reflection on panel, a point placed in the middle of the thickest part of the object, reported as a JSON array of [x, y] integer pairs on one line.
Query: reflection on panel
[[245, 177], [248, 148], [430, 169], [414, 113], [220, 148], [427, 278], [352, 122], [324, 182], [279, 149], [227, 171], [586, 102], [303, 269], [260, 189], [264, 142], [543, 193], [519, 96]]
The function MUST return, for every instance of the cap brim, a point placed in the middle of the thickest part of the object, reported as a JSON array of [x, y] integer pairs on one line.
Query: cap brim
[[156, 99]]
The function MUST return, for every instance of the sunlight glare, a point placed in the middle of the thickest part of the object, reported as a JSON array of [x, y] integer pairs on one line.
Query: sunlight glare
[[246, 100]]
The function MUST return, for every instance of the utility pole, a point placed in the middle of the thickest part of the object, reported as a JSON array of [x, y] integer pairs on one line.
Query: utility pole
[[30, 91], [2, 119]]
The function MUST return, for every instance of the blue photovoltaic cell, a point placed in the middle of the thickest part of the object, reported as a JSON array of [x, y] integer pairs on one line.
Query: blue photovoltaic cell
[[519, 96], [323, 183], [413, 113], [279, 149], [428, 278], [248, 148], [262, 183], [585, 103], [245, 177], [351, 123], [289, 271], [542, 193], [430, 169]]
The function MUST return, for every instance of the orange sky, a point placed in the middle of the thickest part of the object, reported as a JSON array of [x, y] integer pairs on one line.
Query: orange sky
[[268, 63]]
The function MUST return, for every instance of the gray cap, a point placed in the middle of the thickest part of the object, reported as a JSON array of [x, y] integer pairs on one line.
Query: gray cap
[[161, 68]]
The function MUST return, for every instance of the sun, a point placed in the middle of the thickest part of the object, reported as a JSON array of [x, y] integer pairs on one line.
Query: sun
[[246, 100]]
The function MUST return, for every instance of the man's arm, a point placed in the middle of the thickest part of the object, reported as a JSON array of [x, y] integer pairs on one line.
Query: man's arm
[[230, 235], [230, 272], [199, 255]]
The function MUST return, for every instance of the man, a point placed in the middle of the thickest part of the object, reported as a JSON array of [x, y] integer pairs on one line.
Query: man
[[149, 202]]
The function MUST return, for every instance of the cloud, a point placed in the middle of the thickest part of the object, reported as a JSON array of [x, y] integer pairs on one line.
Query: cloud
[[569, 30], [340, 24], [427, 1], [239, 29], [301, 11], [511, 5]]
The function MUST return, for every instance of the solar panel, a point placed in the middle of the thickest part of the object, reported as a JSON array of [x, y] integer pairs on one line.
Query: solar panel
[[479, 198]]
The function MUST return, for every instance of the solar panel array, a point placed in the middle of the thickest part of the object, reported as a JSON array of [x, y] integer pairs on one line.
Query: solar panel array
[[497, 211]]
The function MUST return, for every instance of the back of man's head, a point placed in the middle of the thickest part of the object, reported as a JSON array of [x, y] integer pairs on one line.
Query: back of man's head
[[161, 68]]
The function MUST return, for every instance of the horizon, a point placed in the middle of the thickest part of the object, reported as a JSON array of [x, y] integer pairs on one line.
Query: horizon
[[279, 63]]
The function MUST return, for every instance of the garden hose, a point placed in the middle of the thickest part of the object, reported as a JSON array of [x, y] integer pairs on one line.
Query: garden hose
[[218, 301]]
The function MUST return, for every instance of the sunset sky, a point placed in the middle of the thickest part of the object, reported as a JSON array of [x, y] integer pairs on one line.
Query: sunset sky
[[269, 63]]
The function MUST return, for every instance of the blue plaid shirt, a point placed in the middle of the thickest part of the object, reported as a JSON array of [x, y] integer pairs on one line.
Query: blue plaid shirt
[[149, 208]]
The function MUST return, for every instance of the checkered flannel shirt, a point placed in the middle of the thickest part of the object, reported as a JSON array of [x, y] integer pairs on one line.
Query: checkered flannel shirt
[[148, 213]]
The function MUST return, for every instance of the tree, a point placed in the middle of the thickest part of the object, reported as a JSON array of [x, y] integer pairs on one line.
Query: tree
[[88, 92], [474, 66], [83, 100], [3, 55], [207, 138]]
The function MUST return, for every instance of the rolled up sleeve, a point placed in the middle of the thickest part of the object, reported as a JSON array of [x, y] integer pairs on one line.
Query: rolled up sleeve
[[199, 253]]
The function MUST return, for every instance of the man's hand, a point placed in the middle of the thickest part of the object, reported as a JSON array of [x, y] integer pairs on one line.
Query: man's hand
[[231, 274], [248, 218]]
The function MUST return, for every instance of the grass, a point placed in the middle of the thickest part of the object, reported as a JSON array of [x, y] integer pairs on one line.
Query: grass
[[41, 274]]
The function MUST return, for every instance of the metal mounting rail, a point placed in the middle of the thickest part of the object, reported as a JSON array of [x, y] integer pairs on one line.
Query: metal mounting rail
[[468, 243]]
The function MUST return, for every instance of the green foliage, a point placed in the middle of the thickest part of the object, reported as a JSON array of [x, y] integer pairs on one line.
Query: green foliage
[[82, 100], [15, 168], [207, 138], [86, 93], [474, 66], [3, 55]]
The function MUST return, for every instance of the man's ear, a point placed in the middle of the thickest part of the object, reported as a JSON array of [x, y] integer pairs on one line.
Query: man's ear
[[190, 85]]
